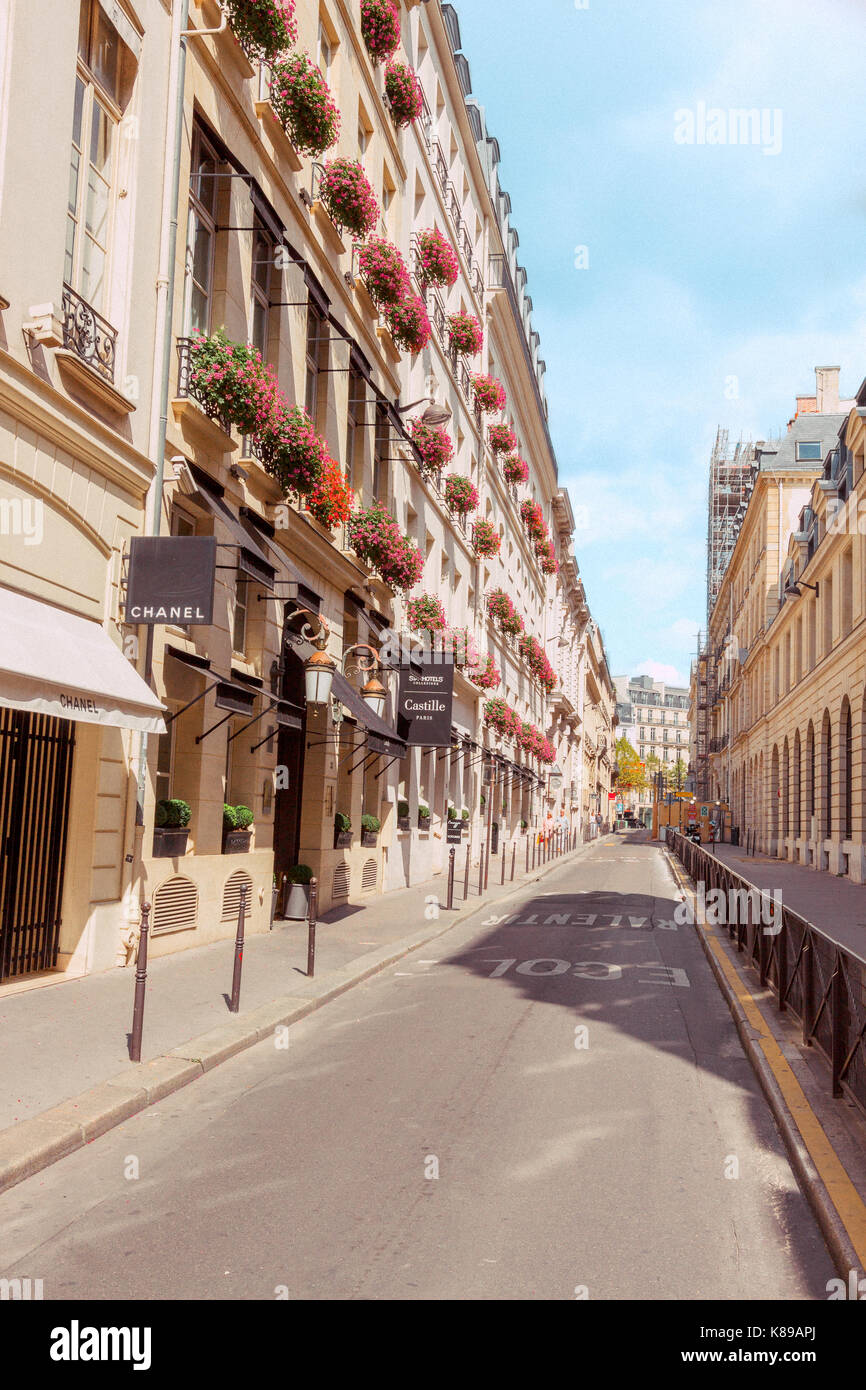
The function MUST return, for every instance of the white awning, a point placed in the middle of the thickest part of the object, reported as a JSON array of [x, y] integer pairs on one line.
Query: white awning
[[53, 662]]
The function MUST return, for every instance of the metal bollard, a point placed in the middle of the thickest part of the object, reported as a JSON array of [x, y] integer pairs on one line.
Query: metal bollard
[[311, 928], [502, 857], [534, 847], [284, 888], [481, 870], [527, 851], [450, 902], [513, 858], [466, 877], [140, 985], [235, 1003]]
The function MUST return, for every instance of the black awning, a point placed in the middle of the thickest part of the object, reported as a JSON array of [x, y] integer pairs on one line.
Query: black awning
[[252, 559]]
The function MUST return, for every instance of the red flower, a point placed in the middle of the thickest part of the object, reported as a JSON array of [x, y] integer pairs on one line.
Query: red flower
[[330, 501], [433, 443], [437, 261], [466, 334], [489, 394], [348, 198], [409, 324], [502, 439], [485, 538], [380, 28], [384, 271], [404, 94]]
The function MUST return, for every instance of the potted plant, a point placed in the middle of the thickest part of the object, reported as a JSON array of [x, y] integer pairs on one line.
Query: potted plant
[[434, 445], [370, 830], [489, 393], [523, 825], [423, 817], [383, 271], [171, 832], [298, 897], [377, 539], [515, 470], [461, 496], [464, 814], [486, 540], [236, 829], [330, 501], [342, 831], [425, 613], [380, 28], [452, 812], [502, 439], [402, 815], [265, 28], [466, 334]]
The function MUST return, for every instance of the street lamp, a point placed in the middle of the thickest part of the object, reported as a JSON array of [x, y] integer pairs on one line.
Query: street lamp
[[373, 692], [319, 668]]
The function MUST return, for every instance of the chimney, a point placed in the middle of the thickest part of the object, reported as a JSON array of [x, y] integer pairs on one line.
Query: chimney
[[827, 390]]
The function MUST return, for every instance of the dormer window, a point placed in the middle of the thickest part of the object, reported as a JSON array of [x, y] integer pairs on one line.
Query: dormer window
[[808, 451]]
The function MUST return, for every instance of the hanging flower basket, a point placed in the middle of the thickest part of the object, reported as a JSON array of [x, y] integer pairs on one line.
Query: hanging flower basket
[[487, 676], [264, 28], [330, 500], [437, 261], [290, 450], [489, 394], [466, 335], [425, 614], [502, 439], [403, 91], [461, 495], [348, 198], [434, 445], [376, 538], [409, 324], [384, 271], [501, 609], [380, 28], [461, 643], [536, 659], [501, 717], [303, 104], [515, 470], [486, 540]]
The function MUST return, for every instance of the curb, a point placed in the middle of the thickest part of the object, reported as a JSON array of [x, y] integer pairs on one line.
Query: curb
[[34, 1144], [833, 1229]]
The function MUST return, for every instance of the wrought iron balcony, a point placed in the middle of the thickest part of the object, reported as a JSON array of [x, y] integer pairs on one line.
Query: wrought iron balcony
[[88, 334]]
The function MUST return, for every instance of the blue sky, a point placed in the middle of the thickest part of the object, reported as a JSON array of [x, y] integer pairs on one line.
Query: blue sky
[[719, 276]]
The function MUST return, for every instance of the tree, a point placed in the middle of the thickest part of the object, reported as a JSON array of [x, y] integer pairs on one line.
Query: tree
[[675, 775], [632, 772]]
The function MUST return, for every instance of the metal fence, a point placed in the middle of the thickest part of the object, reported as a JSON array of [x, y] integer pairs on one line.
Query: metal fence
[[821, 982]]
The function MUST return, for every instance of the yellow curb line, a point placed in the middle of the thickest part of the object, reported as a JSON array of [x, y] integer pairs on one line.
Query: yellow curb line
[[843, 1194]]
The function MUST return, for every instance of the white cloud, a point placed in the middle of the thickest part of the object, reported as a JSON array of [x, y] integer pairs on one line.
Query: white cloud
[[659, 672]]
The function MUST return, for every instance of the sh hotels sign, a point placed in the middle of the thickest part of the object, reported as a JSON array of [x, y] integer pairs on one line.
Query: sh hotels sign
[[424, 702], [171, 579]]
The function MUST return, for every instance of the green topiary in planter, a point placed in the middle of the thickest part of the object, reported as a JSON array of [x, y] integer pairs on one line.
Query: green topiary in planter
[[402, 808], [342, 823], [371, 823], [172, 815], [300, 873], [452, 812], [424, 812], [464, 814], [237, 817]]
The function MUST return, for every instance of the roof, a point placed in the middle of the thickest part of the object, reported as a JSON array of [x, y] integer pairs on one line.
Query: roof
[[782, 453]]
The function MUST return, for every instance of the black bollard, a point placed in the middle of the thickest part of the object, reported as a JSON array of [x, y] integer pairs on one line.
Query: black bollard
[[450, 903], [140, 986], [239, 953], [311, 928]]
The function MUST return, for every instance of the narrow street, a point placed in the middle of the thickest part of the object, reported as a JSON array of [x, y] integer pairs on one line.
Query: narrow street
[[556, 1107]]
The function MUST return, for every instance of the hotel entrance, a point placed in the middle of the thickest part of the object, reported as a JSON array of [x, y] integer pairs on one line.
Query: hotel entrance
[[35, 774]]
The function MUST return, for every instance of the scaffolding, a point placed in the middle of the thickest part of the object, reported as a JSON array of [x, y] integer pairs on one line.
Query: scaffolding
[[732, 477], [703, 700]]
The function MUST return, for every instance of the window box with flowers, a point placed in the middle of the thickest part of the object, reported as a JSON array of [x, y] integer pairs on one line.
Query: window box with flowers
[[489, 394], [547, 557], [404, 94], [384, 272], [434, 444], [376, 539], [515, 470], [437, 264], [303, 105], [502, 439], [466, 334], [227, 380], [290, 450], [461, 644], [501, 610], [486, 540], [347, 197], [501, 718], [380, 28], [409, 324], [460, 494], [425, 613], [532, 517], [486, 676], [265, 28], [330, 501]]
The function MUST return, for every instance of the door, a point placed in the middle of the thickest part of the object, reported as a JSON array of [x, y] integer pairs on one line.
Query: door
[[290, 758], [35, 776]]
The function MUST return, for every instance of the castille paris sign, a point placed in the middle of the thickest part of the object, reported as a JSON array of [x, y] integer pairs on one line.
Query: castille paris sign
[[424, 701]]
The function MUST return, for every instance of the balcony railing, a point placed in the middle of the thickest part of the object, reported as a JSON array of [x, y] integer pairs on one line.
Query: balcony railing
[[88, 334], [185, 390]]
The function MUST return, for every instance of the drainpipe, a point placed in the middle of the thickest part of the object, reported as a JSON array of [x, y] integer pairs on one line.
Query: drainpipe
[[162, 334]]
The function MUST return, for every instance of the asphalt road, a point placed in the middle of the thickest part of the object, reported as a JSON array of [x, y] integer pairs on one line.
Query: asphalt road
[[556, 1106]]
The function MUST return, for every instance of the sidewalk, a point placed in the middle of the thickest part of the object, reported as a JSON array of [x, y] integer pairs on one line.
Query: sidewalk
[[65, 1045], [834, 905]]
